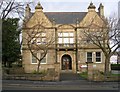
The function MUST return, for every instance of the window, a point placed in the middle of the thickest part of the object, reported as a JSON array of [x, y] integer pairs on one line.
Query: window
[[59, 40], [41, 39], [34, 60], [89, 56], [98, 56], [66, 38]]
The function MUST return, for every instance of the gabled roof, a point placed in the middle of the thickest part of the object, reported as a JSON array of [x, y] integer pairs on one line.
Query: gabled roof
[[65, 17]]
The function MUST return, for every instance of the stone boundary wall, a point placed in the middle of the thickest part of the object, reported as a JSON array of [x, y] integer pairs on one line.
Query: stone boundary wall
[[52, 74]]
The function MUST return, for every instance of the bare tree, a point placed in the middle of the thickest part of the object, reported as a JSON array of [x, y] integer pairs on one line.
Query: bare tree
[[11, 8], [105, 37], [39, 40]]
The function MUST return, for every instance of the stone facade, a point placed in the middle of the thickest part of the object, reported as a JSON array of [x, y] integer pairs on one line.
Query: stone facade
[[68, 49]]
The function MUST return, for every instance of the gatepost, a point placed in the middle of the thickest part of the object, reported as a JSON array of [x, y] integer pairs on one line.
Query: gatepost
[[90, 70]]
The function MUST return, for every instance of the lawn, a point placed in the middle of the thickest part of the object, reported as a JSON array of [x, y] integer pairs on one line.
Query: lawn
[[115, 75], [84, 75]]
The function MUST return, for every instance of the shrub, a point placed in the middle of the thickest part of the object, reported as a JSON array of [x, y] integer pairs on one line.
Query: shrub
[[40, 72]]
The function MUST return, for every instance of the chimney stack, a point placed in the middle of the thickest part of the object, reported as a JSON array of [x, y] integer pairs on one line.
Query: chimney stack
[[101, 10], [27, 12]]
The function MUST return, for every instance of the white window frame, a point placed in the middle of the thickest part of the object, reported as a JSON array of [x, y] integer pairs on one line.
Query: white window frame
[[100, 57]]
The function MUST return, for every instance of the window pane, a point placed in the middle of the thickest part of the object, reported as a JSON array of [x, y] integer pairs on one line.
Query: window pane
[[33, 40], [38, 40], [89, 59], [66, 40], [65, 34], [43, 60], [98, 59], [34, 60], [59, 40], [43, 39], [89, 56], [43, 34], [71, 34], [37, 35], [98, 56], [60, 34], [71, 40]]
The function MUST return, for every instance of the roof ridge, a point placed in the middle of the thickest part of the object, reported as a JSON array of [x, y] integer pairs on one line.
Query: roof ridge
[[65, 12]]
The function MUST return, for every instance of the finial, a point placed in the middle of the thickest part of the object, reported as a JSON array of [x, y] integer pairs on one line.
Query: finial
[[38, 6], [101, 5], [91, 3], [28, 7], [91, 6]]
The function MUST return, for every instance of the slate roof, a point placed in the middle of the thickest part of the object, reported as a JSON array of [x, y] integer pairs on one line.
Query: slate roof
[[65, 17]]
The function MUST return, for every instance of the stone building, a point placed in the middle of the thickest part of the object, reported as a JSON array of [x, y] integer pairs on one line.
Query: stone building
[[70, 50]]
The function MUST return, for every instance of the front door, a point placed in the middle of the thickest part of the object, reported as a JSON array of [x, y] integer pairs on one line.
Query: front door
[[66, 62]]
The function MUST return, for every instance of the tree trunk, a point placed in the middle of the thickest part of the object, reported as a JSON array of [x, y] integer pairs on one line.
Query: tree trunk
[[38, 67], [107, 62], [4, 63], [9, 64]]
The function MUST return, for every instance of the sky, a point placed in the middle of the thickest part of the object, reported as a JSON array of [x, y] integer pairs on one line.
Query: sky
[[119, 10], [110, 6]]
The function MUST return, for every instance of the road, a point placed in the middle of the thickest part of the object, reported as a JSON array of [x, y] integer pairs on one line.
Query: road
[[60, 85]]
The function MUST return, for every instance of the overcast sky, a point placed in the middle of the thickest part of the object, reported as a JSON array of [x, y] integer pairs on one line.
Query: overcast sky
[[110, 6]]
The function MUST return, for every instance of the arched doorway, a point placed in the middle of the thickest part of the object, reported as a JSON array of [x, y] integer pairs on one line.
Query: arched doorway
[[66, 62]]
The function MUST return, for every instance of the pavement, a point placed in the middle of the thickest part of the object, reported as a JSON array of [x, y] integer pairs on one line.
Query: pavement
[[61, 85], [65, 76]]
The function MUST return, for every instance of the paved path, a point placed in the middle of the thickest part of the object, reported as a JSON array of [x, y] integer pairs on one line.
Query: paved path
[[115, 71], [70, 76]]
